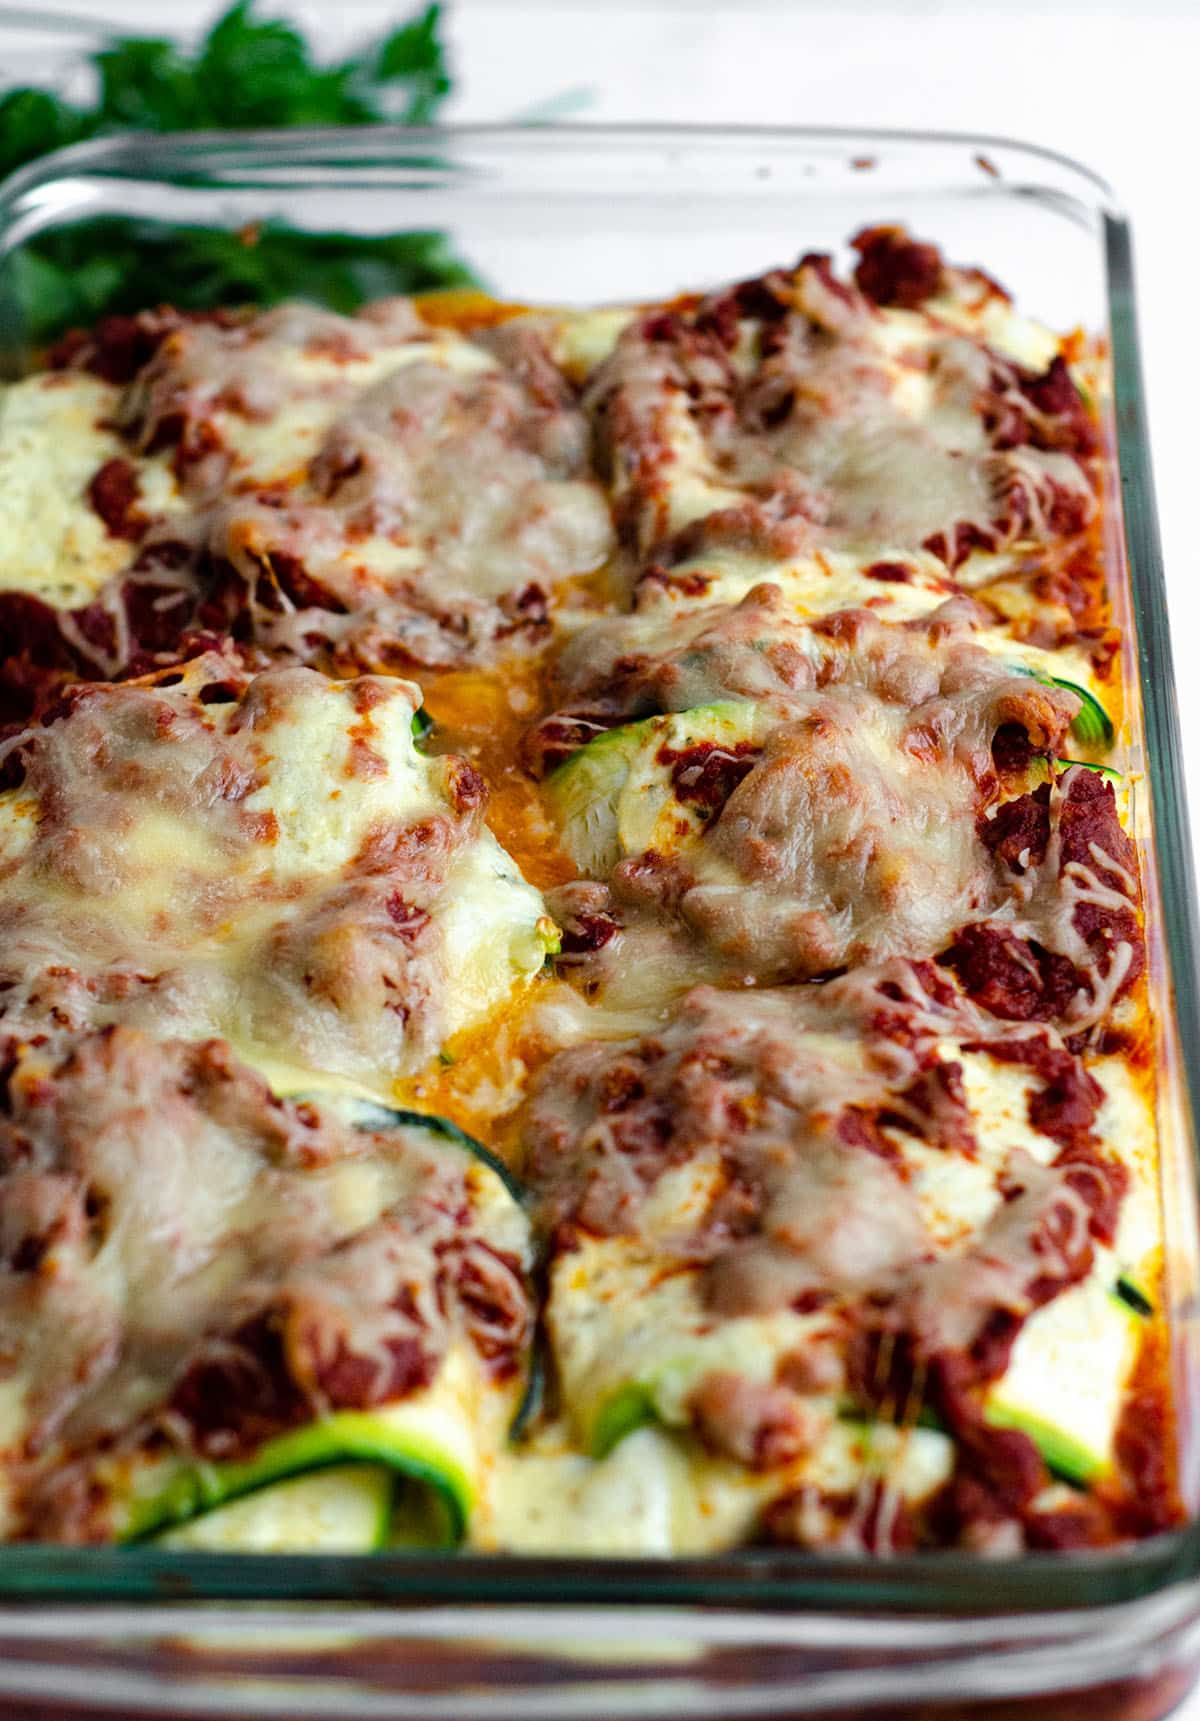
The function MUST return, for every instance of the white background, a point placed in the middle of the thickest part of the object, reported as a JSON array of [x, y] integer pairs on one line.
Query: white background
[[1117, 87]]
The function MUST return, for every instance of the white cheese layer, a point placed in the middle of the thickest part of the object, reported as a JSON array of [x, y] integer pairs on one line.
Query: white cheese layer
[[659, 1494], [343, 916], [56, 432]]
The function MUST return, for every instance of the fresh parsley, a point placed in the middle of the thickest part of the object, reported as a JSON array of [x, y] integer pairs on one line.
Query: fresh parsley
[[248, 72]]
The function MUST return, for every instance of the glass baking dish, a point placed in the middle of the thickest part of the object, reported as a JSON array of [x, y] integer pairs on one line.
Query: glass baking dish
[[575, 215]]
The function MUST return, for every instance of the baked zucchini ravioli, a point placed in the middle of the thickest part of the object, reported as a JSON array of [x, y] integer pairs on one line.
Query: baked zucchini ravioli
[[571, 962]]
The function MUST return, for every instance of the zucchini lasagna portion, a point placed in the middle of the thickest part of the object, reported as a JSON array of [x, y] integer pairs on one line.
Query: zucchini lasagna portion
[[572, 971]]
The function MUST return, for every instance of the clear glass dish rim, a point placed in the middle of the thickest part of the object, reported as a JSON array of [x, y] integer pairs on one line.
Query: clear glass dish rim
[[928, 1584], [150, 154]]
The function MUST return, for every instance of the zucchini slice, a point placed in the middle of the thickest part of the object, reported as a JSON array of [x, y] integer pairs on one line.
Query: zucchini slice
[[630, 1408], [437, 1443], [1065, 1382], [582, 793], [371, 1115], [533, 1399], [1113, 775], [619, 795], [419, 1519], [632, 1341], [1133, 1297], [1092, 725], [344, 1510], [432, 1439]]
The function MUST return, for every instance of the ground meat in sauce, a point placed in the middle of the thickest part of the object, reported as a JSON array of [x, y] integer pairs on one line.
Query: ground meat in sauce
[[843, 835], [1017, 832], [1011, 977], [114, 494], [706, 774], [893, 269], [477, 482]]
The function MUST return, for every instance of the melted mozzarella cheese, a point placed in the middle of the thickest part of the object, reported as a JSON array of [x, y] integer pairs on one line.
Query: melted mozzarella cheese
[[1126, 1125], [659, 1493], [998, 323], [812, 586], [634, 1336], [620, 1318], [1066, 1379], [290, 393], [241, 917], [56, 432], [584, 339]]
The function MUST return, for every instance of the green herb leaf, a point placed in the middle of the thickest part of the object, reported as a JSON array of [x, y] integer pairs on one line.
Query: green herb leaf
[[118, 265], [32, 123], [145, 85], [408, 71], [247, 72]]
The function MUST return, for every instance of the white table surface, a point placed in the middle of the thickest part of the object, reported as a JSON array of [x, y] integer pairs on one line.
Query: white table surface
[[1116, 87]]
